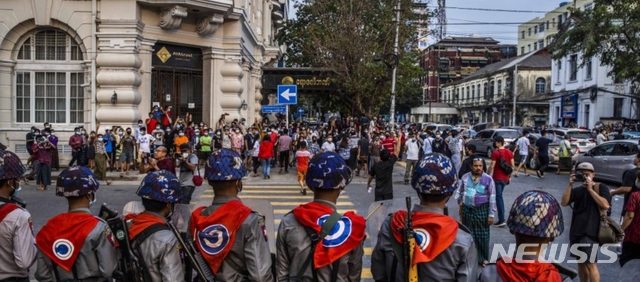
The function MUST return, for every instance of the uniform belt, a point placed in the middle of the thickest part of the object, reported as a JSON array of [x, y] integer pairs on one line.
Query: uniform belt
[[15, 279]]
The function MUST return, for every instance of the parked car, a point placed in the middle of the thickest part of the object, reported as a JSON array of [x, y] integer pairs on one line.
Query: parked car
[[484, 139], [520, 129], [485, 125], [437, 127], [581, 137], [469, 133], [554, 148], [626, 134], [611, 159]]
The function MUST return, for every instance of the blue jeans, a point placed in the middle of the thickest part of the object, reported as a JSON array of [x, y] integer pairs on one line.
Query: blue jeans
[[266, 166], [499, 200]]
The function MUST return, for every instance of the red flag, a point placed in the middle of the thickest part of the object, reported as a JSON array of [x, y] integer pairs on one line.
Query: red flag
[[434, 233], [215, 234], [343, 238], [62, 238]]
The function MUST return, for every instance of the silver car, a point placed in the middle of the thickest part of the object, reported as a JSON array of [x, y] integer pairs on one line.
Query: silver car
[[484, 139], [581, 137], [611, 159]]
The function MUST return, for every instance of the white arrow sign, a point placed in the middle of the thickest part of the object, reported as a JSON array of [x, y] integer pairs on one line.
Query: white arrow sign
[[287, 94]]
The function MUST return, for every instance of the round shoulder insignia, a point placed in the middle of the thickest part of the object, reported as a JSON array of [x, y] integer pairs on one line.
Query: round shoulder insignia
[[213, 239], [63, 249], [422, 238], [339, 234]]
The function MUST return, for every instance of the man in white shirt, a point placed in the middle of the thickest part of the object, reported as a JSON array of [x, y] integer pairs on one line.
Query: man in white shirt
[[600, 138], [522, 146], [426, 144], [328, 145], [144, 143], [412, 147]]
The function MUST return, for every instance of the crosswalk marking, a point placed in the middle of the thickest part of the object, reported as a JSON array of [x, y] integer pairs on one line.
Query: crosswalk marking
[[284, 198]]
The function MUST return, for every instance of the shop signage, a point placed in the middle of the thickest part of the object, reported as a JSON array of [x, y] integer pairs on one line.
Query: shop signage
[[177, 56], [569, 106]]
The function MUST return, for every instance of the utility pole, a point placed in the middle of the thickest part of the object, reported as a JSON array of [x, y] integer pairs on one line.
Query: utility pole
[[392, 110], [515, 95]]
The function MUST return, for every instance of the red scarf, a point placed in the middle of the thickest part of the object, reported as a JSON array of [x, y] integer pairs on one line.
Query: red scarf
[[215, 234], [62, 238], [331, 249], [434, 233], [141, 222], [527, 271], [6, 209]]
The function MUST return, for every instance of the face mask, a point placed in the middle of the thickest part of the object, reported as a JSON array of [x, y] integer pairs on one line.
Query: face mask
[[140, 124], [53, 133], [329, 139], [120, 133], [197, 133], [84, 132], [237, 131], [185, 155], [94, 200], [78, 132], [157, 127], [16, 189], [33, 131], [47, 126], [128, 131], [181, 134]]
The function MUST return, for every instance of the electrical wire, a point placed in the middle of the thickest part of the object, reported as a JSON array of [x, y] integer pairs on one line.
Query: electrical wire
[[501, 10]]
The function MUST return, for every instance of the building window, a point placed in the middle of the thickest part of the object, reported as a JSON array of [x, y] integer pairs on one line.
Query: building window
[[541, 85], [541, 43], [521, 50], [559, 70], [588, 69], [529, 48], [467, 96], [618, 103], [486, 91], [473, 93], [547, 24], [535, 46], [573, 67], [535, 29], [559, 21], [529, 31], [588, 7], [49, 79], [522, 34], [492, 84], [541, 28], [499, 87]]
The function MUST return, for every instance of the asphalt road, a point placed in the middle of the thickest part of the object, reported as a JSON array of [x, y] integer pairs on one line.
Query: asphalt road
[[282, 192]]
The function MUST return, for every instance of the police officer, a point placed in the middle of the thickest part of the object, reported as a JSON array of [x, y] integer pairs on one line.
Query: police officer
[[309, 247], [76, 245], [152, 239], [445, 250], [535, 219], [17, 245], [229, 235]]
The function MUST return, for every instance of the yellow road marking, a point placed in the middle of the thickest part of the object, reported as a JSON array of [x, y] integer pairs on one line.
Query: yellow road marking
[[273, 197], [271, 187], [367, 251], [366, 273]]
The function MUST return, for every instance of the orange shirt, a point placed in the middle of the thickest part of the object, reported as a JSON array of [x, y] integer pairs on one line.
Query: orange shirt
[[303, 157], [179, 141]]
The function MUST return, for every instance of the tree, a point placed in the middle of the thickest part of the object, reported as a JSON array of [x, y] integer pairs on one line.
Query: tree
[[346, 36], [610, 31]]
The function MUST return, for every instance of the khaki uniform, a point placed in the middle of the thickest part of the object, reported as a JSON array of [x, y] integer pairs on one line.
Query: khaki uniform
[[161, 254], [294, 246], [249, 258], [96, 261], [457, 263], [17, 244]]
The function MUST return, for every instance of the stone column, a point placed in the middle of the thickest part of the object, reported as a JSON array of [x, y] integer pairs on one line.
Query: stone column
[[208, 91], [6, 102], [118, 62], [230, 87], [255, 101], [145, 55]]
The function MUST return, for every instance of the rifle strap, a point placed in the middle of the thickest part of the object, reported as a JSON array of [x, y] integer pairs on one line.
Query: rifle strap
[[326, 228], [137, 241]]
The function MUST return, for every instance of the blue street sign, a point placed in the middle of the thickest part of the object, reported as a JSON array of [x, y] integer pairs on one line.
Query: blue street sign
[[301, 110], [287, 94], [274, 109]]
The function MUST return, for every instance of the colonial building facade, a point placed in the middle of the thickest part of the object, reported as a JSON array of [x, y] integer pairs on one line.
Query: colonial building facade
[[584, 96], [487, 95], [104, 63]]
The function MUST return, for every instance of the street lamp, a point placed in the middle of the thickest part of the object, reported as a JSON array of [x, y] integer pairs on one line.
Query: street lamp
[[244, 105], [114, 98]]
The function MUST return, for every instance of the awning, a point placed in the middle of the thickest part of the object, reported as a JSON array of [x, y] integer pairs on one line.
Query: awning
[[435, 110]]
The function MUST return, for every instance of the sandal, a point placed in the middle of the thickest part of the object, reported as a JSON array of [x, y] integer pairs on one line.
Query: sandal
[[41, 188], [303, 191], [108, 182]]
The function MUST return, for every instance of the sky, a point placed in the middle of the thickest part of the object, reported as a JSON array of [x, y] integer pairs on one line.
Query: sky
[[473, 22], [505, 33]]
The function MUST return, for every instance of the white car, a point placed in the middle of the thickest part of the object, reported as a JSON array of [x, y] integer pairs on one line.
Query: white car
[[580, 137]]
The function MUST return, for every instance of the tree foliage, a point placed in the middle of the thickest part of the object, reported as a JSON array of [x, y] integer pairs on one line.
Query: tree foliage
[[346, 36], [610, 31]]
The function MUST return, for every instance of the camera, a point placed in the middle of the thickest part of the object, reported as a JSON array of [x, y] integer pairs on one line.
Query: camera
[[580, 177]]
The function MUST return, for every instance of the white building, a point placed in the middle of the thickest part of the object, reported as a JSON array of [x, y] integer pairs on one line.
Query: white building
[[104, 63], [587, 95]]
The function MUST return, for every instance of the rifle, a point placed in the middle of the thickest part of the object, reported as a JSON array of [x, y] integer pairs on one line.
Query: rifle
[[409, 246], [195, 258]]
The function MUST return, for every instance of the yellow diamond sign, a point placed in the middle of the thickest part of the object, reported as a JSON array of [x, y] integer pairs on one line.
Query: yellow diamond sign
[[163, 54]]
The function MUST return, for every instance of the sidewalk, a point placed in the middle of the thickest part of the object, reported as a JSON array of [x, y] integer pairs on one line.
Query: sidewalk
[[134, 178]]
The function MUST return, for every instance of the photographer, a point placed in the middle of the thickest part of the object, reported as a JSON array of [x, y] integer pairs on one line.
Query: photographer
[[42, 153], [187, 162], [589, 200], [160, 161]]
